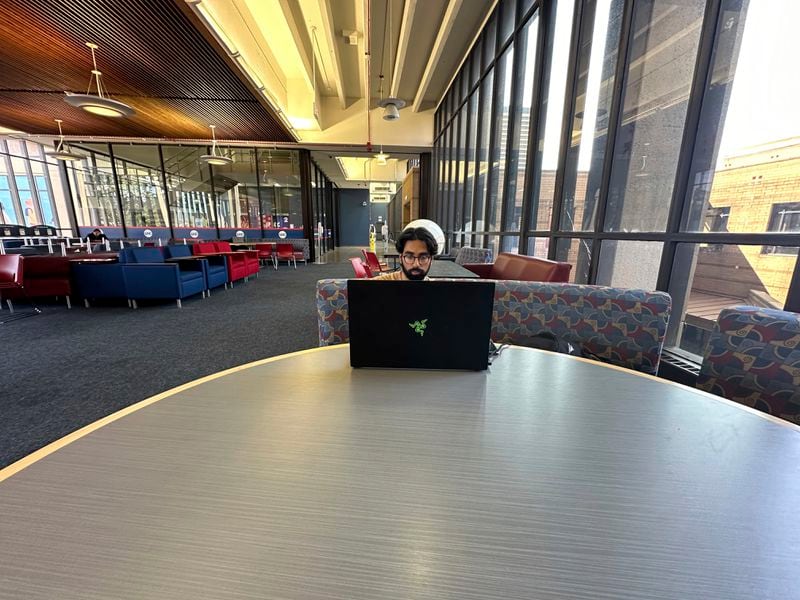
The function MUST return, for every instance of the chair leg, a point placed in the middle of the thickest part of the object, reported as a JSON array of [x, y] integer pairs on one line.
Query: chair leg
[[69, 303], [10, 306], [208, 293], [86, 303], [179, 303], [134, 305]]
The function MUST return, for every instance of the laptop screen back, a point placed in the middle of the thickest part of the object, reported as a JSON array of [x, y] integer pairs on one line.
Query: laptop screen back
[[420, 324]]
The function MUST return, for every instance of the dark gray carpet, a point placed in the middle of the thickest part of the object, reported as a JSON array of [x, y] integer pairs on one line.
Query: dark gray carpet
[[66, 368]]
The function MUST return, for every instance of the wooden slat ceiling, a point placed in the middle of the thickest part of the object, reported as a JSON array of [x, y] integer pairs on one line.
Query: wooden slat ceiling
[[152, 57]]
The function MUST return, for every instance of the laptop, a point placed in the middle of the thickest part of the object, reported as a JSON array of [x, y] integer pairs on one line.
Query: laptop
[[420, 324]]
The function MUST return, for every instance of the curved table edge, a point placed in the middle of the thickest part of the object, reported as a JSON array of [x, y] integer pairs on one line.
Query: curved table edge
[[758, 413], [52, 447]]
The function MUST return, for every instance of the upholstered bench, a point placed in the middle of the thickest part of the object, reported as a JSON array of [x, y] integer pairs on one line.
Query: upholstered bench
[[625, 327]]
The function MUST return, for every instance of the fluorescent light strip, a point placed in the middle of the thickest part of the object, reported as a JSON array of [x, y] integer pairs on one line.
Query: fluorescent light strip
[[212, 23], [245, 66]]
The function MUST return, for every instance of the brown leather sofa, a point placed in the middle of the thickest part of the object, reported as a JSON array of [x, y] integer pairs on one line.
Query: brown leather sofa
[[521, 268]]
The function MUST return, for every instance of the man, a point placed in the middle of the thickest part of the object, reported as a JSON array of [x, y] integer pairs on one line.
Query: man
[[416, 247], [96, 236]]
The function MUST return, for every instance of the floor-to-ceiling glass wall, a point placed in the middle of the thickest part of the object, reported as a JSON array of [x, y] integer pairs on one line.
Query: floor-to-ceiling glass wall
[[31, 186], [191, 197], [649, 143]]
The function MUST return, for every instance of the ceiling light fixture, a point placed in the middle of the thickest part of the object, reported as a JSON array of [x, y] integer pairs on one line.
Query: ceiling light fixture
[[99, 104], [214, 158], [61, 151], [382, 157], [391, 108]]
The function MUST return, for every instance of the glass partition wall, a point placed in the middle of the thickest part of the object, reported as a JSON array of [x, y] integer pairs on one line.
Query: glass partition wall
[[166, 191], [649, 143]]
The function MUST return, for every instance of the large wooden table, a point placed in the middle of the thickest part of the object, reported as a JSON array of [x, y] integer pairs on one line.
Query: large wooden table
[[545, 477]]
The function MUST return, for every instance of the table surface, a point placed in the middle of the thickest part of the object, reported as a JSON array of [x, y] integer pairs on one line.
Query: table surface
[[544, 477], [446, 268]]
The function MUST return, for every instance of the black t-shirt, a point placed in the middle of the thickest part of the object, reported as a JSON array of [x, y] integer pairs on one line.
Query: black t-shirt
[[95, 237]]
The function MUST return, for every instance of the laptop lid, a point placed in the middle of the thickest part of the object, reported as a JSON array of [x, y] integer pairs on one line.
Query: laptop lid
[[420, 324]]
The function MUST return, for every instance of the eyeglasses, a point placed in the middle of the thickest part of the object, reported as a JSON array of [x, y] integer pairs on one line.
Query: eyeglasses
[[423, 259]]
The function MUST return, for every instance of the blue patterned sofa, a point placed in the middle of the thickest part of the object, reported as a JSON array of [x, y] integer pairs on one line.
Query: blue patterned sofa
[[621, 326], [753, 358]]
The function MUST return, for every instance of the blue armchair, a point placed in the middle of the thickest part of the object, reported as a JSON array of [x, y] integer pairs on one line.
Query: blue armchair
[[98, 280], [215, 267], [148, 276]]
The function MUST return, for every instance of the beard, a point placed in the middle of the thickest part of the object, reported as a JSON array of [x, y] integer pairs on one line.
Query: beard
[[414, 274]]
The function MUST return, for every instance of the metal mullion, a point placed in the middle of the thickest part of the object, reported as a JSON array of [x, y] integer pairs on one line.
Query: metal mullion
[[478, 135], [456, 163], [522, 19], [615, 117], [793, 295], [495, 101], [166, 190], [117, 189], [64, 173], [513, 120], [468, 122], [530, 186], [445, 207], [12, 187], [568, 117], [306, 201], [49, 183], [34, 189], [258, 195], [694, 109]]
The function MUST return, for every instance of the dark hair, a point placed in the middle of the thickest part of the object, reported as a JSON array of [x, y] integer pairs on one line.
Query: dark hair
[[417, 233]]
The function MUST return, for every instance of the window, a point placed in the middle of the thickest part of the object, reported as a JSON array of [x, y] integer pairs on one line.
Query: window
[[7, 213], [716, 220], [785, 218], [141, 187], [662, 52], [189, 192]]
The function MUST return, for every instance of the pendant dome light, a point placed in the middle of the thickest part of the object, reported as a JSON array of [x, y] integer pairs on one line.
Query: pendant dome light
[[61, 151], [99, 104], [214, 158]]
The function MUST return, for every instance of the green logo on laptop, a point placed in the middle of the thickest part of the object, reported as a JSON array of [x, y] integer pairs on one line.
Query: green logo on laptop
[[419, 326]]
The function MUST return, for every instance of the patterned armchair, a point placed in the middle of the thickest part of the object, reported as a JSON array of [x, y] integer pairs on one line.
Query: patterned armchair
[[621, 326], [468, 255], [753, 358]]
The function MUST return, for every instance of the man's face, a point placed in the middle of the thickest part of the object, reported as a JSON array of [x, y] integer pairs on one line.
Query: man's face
[[415, 260]]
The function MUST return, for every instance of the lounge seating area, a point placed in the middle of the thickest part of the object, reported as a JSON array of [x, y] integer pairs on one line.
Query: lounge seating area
[[171, 272]]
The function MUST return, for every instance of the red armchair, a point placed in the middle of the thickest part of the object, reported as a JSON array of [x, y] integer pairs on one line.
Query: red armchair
[[286, 252], [235, 261], [521, 268], [266, 252], [373, 263], [251, 257], [11, 281], [43, 276], [360, 269]]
